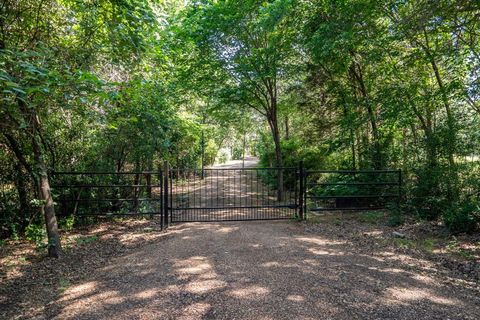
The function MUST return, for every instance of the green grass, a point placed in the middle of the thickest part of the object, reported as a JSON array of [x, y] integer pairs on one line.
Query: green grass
[[371, 217], [466, 254], [404, 243], [86, 240], [429, 244], [63, 284], [330, 219]]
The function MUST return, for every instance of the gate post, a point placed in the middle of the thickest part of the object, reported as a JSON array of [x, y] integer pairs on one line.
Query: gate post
[[301, 192], [160, 187], [165, 194]]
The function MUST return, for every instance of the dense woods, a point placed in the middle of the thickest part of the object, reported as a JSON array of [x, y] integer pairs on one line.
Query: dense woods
[[122, 85]]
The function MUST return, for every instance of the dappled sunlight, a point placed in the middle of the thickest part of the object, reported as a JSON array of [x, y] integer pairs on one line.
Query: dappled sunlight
[[226, 229], [250, 270], [424, 279], [272, 264], [312, 262], [325, 252], [390, 270], [319, 241], [295, 298], [386, 254], [406, 295], [137, 238], [374, 233], [205, 279], [147, 294], [110, 297], [204, 286], [198, 268], [249, 292], [80, 290], [195, 311], [410, 261], [74, 297]]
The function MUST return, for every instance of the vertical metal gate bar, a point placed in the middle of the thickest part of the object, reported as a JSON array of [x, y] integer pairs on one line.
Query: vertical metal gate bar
[[171, 197], [305, 190], [160, 191], [202, 177], [301, 191], [165, 193]]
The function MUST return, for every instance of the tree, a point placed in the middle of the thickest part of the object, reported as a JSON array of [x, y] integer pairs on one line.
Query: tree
[[247, 47]]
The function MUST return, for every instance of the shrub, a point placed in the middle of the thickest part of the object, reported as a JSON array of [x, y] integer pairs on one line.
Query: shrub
[[430, 207], [396, 215], [462, 217], [429, 193], [36, 233], [67, 223]]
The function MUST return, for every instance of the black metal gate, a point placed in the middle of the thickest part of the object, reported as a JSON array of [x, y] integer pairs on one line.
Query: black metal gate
[[331, 190], [232, 194], [224, 194], [109, 194]]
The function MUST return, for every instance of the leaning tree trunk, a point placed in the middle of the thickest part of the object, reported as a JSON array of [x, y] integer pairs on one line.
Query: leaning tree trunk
[[54, 245]]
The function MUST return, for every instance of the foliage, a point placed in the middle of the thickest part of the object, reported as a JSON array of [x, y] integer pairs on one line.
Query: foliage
[[372, 217], [462, 217], [36, 234], [351, 84], [86, 240]]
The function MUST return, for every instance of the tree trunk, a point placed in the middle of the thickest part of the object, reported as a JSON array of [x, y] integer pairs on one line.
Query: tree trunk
[[377, 155], [15, 147], [148, 178], [452, 188], [450, 118], [54, 245], [21, 186], [243, 155], [148, 181], [354, 158], [287, 129], [278, 154], [136, 190], [351, 133]]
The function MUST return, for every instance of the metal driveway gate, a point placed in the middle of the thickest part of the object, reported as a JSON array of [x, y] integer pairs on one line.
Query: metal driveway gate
[[223, 194], [109, 194], [231, 194], [330, 190]]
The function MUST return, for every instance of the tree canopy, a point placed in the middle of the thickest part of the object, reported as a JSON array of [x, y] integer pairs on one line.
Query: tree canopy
[[351, 84]]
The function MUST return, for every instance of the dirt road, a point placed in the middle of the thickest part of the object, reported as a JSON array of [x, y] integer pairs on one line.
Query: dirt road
[[259, 270]]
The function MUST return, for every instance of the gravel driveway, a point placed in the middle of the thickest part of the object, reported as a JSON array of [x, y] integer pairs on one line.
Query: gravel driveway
[[260, 270]]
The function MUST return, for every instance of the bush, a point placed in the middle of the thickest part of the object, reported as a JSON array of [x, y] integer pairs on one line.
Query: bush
[[430, 192], [36, 233], [293, 150], [67, 223], [462, 217], [396, 216], [430, 207]]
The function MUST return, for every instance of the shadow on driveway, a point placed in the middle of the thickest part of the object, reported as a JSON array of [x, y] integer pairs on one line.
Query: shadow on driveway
[[259, 270]]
